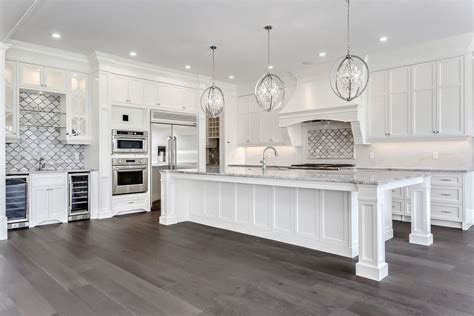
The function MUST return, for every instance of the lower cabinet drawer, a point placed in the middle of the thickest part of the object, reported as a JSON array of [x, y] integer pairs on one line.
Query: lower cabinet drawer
[[397, 193], [446, 195], [128, 202], [446, 212], [447, 179]]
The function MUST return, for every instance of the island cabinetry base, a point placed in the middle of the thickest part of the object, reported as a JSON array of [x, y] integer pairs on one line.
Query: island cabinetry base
[[319, 219]]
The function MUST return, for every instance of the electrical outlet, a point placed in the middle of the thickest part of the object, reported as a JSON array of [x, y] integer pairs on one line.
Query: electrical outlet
[[372, 155], [435, 155], [76, 156]]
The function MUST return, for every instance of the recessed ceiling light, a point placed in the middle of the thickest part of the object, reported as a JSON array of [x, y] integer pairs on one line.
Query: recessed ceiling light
[[270, 67], [322, 54], [383, 39], [133, 54], [56, 35], [187, 66], [231, 77]]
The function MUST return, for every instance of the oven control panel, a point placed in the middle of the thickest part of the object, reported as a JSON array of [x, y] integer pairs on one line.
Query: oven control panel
[[129, 161]]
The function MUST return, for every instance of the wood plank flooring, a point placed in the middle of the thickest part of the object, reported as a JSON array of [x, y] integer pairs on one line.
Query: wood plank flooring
[[131, 265]]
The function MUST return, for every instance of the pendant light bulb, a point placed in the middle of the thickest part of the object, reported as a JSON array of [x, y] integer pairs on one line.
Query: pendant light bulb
[[212, 99]]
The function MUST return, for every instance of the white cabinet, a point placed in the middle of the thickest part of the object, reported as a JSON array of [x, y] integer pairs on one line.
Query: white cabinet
[[42, 78], [48, 198], [419, 101], [450, 97], [399, 105], [389, 105], [424, 99], [77, 109], [256, 127], [151, 94], [378, 104], [125, 90], [11, 102]]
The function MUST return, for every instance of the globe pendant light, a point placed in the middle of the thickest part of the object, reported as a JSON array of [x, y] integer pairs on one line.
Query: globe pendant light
[[270, 89], [350, 74], [212, 99]]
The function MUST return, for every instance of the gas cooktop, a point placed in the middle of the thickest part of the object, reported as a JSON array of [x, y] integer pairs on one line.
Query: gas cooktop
[[322, 166]]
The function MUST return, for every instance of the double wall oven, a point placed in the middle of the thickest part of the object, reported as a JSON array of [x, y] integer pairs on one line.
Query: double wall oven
[[130, 175]]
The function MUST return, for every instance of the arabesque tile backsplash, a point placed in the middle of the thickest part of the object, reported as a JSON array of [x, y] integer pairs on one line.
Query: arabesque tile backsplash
[[40, 119]]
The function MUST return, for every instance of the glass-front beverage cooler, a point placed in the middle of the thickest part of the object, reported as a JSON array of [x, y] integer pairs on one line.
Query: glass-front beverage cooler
[[16, 203]]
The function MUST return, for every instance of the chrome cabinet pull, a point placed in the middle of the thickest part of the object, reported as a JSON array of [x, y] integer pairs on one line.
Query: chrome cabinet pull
[[446, 180], [447, 212], [446, 194]]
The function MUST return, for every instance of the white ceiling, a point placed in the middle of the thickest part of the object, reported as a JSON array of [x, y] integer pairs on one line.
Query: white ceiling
[[172, 33]]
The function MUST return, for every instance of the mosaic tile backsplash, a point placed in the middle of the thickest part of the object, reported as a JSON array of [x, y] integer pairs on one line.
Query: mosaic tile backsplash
[[332, 143], [40, 119]]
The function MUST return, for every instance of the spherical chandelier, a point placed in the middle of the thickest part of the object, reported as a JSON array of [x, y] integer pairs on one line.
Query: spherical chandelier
[[350, 74], [269, 89], [212, 99]]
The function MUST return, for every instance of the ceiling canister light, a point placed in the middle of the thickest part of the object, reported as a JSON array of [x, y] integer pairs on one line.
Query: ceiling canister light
[[269, 89], [350, 74], [212, 99]]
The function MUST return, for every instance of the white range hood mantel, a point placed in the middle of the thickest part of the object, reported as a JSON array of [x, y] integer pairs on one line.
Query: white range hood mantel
[[345, 113]]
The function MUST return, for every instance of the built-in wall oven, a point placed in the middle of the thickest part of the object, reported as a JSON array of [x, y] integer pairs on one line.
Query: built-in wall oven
[[135, 142], [130, 175], [16, 194], [79, 189]]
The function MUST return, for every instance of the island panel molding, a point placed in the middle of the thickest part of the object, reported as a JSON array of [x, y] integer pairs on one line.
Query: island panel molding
[[346, 215]]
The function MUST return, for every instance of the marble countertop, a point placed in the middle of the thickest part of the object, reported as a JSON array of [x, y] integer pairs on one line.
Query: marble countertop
[[433, 170], [18, 172], [344, 176]]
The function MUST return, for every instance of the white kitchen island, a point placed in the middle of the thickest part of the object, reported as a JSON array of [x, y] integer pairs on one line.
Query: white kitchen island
[[347, 213]]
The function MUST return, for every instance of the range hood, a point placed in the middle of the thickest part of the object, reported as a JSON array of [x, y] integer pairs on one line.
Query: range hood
[[352, 114]]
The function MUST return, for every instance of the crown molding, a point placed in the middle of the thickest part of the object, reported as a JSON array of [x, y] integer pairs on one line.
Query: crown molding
[[4, 47], [52, 52]]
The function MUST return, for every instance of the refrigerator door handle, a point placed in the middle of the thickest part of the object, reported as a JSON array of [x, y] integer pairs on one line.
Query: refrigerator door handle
[[175, 152], [169, 153]]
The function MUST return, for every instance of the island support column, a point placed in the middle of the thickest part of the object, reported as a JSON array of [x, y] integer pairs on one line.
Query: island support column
[[421, 213], [168, 210], [371, 262]]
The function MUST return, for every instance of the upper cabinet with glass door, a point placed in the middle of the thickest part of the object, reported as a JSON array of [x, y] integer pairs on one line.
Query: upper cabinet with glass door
[[42, 78], [11, 102], [77, 111]]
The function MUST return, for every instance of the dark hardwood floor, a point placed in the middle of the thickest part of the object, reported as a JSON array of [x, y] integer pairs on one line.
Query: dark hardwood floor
[[130, 265]]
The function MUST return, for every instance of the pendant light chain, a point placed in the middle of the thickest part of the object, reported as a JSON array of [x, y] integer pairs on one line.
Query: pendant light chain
[[348, 28], [212, 99], [268, 48], [213, 63]]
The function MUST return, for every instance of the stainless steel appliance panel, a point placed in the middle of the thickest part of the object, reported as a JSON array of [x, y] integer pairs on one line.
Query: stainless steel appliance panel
[[129, 141], [79, 196], [185, 140], [130, 175]]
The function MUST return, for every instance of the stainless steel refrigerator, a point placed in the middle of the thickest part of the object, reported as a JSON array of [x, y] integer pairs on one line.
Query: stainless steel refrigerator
[[174, 139]]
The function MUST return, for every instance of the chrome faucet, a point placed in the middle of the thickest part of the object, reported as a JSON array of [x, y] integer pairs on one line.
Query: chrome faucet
[[41, 164], [264, 160]]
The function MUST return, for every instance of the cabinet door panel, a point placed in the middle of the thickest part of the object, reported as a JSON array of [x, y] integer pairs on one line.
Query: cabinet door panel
[[177, 98], [189, 100], [243, 128], [450, 97], [150, 94], [399, 102], [424, 99], [119, 86], [165, 95], [378, 104], [39, 203], [58, 207], [254, 127], [54, 79], [11, 102], [30, 76], [78, 109], [135, 91]]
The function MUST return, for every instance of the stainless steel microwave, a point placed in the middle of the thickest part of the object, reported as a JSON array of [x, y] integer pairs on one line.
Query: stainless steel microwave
[[135, 142]]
